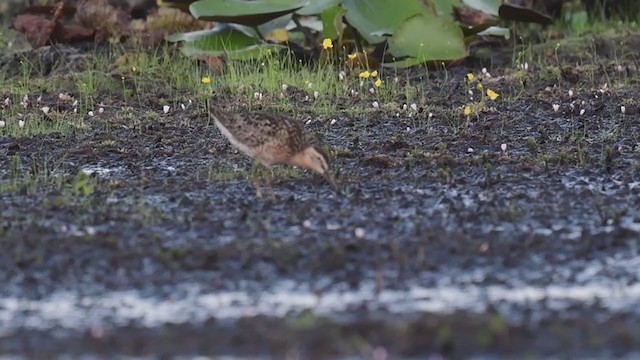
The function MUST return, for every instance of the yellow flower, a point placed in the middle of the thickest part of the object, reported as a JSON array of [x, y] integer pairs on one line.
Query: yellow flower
[[492, 94], [206, 80], [365, 74], [471, 77], [374, 73], [134, 69], [467, 110], [378, 82], [327, 44], [352, 56]]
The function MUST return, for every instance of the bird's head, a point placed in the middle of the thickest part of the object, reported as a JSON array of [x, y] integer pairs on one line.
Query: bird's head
[[315, 159]]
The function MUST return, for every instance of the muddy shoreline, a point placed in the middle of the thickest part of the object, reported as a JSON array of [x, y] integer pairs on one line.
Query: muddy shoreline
[[148, 239]]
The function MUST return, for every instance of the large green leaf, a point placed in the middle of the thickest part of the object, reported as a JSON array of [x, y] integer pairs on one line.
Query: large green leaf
[[250, 13], [375, 18], [428, 37], [487, 6], [225, 40], [332, 25], [445, 7], [404, 63], [278, 23], [316, 7]]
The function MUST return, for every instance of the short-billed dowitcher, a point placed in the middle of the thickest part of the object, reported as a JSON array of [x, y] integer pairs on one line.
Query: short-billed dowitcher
[[273, 139]]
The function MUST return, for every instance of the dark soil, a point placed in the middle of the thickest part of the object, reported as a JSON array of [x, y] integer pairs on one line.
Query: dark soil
[[436, 250]]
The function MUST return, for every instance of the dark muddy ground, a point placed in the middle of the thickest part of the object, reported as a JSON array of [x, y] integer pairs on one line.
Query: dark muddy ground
[[433, 250]]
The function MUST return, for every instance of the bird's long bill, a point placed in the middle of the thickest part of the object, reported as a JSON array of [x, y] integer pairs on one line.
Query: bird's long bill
[[332, 181]]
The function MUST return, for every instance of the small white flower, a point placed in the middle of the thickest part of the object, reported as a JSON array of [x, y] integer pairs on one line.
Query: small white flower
[[306, 98], [316, 94], [75, 110], [310, 85], [581, 111], [623, 109], [256, 95], [333, 121], [414, 107], [570, 93], [307, 224], [556, 107], [342, 75], [7, 101], [470, 92], [526, 65], [45, 109], [372, 91], [484, 70], [166, 108], [21, 123], [61, 96], [90, 230], [470, 150], [90, 113], [308, 122], [100, 110], [430, 115], [2, 124], [285, 87], [360, 233], [503, 147], [75, 103], [183, 107], [408, 129], [620, 68], [190, 102], [404, 107], [375, 104]]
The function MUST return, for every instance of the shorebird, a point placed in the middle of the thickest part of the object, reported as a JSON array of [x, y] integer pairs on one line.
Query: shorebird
[[273, 139]]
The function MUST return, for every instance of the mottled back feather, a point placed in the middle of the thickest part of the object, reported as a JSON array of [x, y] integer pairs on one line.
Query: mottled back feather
[[265, 132]]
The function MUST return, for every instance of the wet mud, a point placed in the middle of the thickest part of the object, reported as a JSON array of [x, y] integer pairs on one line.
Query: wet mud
[[149, 240]]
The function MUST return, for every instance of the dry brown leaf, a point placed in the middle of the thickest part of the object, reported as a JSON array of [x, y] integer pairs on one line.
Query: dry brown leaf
[[107, 20]]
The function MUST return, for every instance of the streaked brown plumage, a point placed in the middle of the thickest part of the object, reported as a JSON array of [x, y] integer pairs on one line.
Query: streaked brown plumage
[[272, 139]]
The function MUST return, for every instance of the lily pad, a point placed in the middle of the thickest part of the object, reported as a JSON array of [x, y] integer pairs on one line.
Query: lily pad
[[496, 31], [487, 6], [375, 18], [428, 37], [317, 6], [445, 7], [227, 40], [332, 24], [250, 13]]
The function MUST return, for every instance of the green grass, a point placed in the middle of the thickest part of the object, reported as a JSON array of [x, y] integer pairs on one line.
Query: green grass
[[123, 82]]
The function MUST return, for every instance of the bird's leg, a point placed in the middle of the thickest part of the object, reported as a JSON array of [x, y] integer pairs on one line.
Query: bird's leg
[[270, 183], [254, 176]]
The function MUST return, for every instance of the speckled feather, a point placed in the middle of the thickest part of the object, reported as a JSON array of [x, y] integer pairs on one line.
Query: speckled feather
[[270, 138]]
